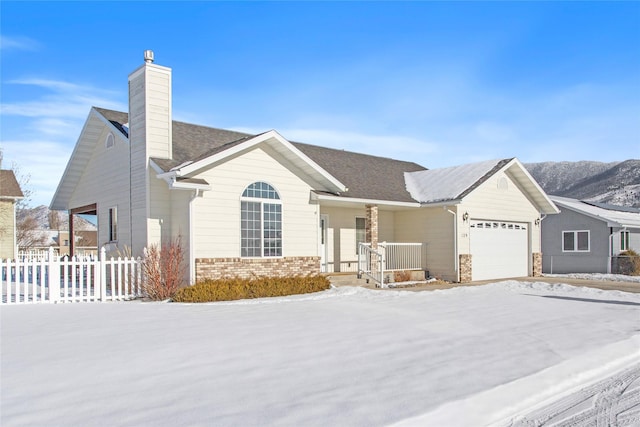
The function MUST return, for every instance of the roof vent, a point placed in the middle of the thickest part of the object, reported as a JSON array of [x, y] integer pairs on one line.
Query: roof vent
[[148, 56]]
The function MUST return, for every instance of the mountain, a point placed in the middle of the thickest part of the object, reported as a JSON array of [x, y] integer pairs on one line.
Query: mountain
[[42, 216], [617, 183]]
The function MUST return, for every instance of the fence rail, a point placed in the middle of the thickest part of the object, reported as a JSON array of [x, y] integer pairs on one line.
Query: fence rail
[[51, 279]]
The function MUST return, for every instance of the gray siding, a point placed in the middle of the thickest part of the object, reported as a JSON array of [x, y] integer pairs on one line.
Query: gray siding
[[556, 261]]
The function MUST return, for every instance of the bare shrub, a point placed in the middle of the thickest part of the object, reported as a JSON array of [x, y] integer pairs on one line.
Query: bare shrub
[[402, 276], [163, 269], [632, 263]]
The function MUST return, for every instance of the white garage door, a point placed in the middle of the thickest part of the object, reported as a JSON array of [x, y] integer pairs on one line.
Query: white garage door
[[498, 250]]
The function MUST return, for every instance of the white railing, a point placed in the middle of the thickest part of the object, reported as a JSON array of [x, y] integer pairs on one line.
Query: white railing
[[371, 263], [390, 257], [51, 279], [403, 256]]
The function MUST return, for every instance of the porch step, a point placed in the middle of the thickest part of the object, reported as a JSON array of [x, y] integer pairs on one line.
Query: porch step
[[338, 279]]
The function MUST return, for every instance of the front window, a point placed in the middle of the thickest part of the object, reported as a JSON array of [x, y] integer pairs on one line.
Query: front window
[[260, 221], [113, 224], [624, 241], [575, 241]]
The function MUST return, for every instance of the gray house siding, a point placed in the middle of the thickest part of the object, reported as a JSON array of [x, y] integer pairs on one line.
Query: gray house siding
[[554, 260]]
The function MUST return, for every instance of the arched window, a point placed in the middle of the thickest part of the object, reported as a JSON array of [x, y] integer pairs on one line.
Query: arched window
[[260, 221]]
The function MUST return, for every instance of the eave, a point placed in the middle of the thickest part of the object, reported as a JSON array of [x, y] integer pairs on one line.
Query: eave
[[339, 201], [82, 151], [273, 140]]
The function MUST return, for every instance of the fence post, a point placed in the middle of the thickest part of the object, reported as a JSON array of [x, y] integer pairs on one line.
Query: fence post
[[53, 279], [102, 274]]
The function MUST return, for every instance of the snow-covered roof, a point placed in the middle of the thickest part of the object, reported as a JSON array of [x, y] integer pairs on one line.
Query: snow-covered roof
[[451, 185], [437, 185], [613, 218]]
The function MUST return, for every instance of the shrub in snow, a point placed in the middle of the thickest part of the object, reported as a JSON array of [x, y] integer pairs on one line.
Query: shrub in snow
[[402, 276], [258, 287], [632, 265], [163, 269]]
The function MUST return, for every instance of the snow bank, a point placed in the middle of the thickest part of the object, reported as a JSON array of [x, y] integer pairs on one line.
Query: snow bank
[[503, 405], [598, 276]]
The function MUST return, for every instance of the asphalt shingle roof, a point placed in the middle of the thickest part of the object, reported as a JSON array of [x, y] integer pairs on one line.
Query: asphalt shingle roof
[[9, 186], [365, 176]]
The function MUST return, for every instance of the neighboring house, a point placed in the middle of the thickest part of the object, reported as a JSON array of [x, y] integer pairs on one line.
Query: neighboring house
[[585, 236], [10, 193], [86, 243], [260, 204]]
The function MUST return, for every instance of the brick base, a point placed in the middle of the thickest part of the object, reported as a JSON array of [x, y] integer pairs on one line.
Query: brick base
[[218, 268], [465, 268], [537, 264]]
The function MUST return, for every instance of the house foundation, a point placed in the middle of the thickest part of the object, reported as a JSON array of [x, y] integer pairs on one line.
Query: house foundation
[[537, 264], [245, 268], [465, 268]]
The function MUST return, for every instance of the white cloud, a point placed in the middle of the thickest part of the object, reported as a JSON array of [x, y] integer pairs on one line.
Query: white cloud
[[18, 43], [39, 133], [43, 161]]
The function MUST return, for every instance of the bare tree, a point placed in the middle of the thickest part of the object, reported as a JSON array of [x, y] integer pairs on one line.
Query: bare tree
[[28, 233], [54, 220]]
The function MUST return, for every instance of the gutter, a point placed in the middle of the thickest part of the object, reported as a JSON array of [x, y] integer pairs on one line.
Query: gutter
[[455, 241]]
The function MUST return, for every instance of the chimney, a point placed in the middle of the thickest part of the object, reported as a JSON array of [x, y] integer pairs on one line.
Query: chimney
[[150, 108], [150, 135]]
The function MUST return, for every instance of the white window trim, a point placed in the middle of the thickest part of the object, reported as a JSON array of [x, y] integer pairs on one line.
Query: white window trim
[[112, 226], [109, 141], [262, 202], [624, 241], [575, 241]]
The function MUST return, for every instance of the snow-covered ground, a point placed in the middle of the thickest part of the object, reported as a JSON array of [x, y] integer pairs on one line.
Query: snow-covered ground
[[483, 355], [598, 276]]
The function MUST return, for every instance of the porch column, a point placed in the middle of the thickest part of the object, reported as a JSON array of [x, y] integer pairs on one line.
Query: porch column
[[371, 225], [72, 243]]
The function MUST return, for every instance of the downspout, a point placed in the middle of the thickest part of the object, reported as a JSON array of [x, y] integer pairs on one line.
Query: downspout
[[192, 259], [542, 217], [610, 258], [455, 241]]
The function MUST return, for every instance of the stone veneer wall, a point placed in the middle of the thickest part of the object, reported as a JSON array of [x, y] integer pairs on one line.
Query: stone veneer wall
[[218, 268], [537, 264], [465, 268], [371, 225]]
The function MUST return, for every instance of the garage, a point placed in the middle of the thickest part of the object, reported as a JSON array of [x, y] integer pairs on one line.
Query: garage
[[499, 249]]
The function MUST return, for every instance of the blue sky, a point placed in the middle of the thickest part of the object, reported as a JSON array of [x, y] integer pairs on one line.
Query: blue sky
[[438, 83]]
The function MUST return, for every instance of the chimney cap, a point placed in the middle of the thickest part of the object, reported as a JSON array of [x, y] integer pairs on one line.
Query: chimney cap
[[148, 56]]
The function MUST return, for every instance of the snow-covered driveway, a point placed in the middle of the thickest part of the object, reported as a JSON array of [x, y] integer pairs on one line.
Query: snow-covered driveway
[[347, 356]]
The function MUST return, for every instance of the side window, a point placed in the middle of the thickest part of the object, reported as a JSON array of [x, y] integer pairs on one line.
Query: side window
[[113, 224], [260, 221], [109, 141], [624, 241], [575, 241], [360, 232]]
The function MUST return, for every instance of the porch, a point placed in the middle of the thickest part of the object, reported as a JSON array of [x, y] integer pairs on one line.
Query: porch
[[388, 262]]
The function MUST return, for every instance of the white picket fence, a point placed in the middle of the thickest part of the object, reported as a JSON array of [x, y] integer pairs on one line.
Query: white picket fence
[[51, 279]]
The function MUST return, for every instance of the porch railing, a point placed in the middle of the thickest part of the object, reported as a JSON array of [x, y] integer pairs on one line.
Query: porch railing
[[389, 257], [371, 263]]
